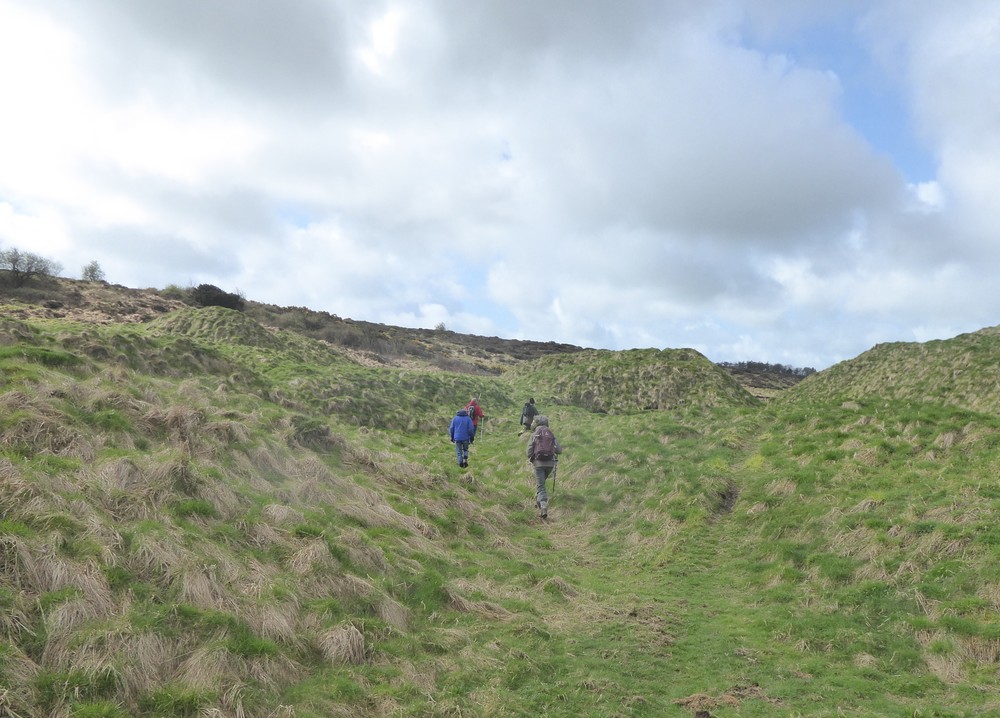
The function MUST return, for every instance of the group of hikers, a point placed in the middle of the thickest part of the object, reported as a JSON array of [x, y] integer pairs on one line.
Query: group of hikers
[[543, 448]]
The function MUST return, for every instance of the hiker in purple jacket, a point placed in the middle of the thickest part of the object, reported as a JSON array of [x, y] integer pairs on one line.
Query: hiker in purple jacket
[[462, 433], [544, 465]]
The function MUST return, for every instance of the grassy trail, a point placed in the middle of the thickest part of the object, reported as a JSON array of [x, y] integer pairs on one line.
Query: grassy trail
[[667, 620], [613, 626]]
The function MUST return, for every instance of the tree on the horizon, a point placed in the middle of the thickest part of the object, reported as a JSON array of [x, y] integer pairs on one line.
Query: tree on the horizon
[[92, 272], [23, 266]]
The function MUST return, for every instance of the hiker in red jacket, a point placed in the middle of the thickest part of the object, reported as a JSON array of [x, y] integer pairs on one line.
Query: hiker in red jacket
[[475, 413]]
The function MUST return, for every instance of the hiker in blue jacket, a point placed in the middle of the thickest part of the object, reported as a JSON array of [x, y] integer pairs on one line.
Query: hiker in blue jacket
[[462, 434]]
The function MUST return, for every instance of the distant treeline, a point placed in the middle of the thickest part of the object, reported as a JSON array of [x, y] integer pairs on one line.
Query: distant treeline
[[759, 367]]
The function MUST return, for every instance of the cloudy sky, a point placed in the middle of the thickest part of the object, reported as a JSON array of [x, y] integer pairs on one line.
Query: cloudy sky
[[790, 181]]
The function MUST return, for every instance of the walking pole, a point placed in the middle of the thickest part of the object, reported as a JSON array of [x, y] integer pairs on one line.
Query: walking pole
[[554, 467]]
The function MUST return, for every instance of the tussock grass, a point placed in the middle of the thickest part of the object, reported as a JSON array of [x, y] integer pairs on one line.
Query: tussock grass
[[343, 645], [19, 673], [206, 517]]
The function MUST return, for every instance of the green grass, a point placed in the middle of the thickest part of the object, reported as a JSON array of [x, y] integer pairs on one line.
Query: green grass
[[237, 498]]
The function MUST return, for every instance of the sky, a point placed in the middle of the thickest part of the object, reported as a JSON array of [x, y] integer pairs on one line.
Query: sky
[[787, 181]]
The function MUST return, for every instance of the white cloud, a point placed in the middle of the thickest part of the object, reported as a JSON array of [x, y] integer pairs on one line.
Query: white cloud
[[614, 175]]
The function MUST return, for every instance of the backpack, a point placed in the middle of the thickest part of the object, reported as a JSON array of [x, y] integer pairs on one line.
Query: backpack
[[545, 444]]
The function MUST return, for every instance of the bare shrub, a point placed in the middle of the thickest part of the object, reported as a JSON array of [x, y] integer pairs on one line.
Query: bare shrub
[[343, 645], [22, 267]]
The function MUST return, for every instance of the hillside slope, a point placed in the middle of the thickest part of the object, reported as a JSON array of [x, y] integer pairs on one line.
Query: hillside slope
[[201, 514], [960, 372]]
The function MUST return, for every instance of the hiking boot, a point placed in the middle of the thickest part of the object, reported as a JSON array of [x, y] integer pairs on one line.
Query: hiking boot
[[544, 508]]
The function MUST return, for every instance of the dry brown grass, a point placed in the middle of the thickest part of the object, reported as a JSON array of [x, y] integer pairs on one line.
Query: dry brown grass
[[946, 666], [561, 586], [156, 557], [984, 651], [226, 502], [256, 580], [20, 672], [152, 661], [394, 614], [314, 557], [363, 554], [15, 491], [274, 672], [371, 510], [861, 543], [782, 487], [228, 432], [350, 586], [273, 622], [279, 515], [175, 472], [207, 666], [343, 645], [200, 586], [41, 429], [128, 492], [262, 535]]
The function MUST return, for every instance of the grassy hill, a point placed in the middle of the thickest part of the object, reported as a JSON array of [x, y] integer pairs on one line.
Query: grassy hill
[[206, 514]]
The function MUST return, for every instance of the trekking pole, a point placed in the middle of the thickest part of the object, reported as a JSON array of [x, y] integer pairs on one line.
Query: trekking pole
[[554, 467]]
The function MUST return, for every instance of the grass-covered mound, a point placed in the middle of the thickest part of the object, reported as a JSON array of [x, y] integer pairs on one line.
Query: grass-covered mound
[[960, 371], [628, 381]]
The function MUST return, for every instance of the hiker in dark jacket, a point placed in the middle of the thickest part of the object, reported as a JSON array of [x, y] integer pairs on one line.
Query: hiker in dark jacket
[[528, 413], [462, 433], [543, 466]]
